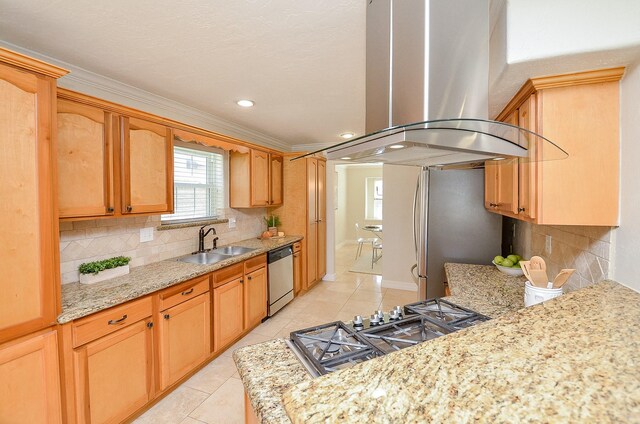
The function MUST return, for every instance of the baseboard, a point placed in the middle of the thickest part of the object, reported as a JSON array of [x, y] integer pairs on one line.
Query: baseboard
[[329, 277], [400, 285]]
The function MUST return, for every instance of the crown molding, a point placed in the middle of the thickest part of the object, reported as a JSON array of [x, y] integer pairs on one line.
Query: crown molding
[[311, 147], [91, 83], [35, 65]]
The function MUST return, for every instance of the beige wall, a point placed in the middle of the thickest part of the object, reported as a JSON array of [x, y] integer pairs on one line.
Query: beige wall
[[341, 229], [586, 249], [86, 241]]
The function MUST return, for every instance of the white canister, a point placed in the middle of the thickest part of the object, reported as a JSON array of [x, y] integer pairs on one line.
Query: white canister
[[533, 294]]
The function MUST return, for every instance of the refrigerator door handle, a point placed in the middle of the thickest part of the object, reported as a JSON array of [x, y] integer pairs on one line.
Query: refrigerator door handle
[[415, 205], [413, 271]]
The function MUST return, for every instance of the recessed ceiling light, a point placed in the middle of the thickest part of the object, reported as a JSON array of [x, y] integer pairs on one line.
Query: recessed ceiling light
[[347, 135], [346, 158], [245, 103], [396, 146]]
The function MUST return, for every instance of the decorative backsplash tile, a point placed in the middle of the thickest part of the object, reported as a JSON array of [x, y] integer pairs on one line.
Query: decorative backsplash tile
[[587, 249], [86, 241]]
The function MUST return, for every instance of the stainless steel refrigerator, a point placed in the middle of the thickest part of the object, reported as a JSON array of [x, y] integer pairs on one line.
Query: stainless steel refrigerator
[[451, 225]]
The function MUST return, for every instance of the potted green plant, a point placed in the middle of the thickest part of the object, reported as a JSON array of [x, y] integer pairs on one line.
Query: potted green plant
[[273, 221], [93, 272]]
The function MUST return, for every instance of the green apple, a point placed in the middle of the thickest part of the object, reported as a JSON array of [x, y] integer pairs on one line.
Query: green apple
[[507, 262], [513, 258], [516, 266], [498, 260]]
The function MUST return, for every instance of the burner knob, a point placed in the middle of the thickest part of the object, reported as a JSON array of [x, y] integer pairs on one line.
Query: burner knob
[[357, 321], [394, 314], [380, 315], [374, 320]]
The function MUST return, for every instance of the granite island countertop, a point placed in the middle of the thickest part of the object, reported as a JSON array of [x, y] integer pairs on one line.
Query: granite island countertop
[[571, 359], [269, 369], [79, 300]]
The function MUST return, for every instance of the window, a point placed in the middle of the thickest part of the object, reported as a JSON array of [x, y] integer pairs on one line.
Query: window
[[373, 195], [198, 182]]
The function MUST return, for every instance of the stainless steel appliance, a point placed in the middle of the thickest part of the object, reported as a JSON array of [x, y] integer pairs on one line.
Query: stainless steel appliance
[[280, 273], [451, 225], [336, 345]]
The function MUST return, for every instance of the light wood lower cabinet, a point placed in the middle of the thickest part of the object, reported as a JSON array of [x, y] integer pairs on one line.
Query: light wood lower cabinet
[[29, 380], [228, 313], [185, 338], [255, 297], [297, 269], [114, 374]]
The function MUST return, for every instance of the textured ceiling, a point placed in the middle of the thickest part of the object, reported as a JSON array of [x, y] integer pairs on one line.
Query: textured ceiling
[[301, 61]]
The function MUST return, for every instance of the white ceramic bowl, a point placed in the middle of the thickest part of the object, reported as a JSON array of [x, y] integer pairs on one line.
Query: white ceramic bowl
[[514, 272]]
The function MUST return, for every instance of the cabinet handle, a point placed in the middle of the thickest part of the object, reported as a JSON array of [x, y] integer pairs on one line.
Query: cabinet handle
[[521, 209], [149, 325], [129, 208], [110, 210], [187, 292], [167, 316], [117, 321]]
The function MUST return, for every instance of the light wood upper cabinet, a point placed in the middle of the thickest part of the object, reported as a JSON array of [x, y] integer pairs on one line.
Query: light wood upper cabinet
[[85, 160], [501, 180], [114, 374], [29, 380], [147, 166], [255, 297], [29, 252], [255, 178], [228, 313], [580, 113], [185, 338]]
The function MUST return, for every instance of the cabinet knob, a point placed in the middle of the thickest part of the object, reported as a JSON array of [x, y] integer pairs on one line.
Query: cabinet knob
[[149, 325], [167, 316], [241, 281], [493, 205], [129, 208], [249, 278], [521, 209], [110, 210]]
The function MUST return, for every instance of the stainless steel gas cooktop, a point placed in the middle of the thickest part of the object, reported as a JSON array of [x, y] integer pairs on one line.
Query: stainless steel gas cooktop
[[336, 345]]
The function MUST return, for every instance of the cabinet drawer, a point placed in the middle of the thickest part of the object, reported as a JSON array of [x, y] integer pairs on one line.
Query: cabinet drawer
[[227, 274], [297, 246], [255, 263], [183, 292], [103, 323]]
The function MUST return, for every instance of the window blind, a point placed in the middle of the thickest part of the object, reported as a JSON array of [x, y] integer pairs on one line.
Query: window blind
[[198, 186]]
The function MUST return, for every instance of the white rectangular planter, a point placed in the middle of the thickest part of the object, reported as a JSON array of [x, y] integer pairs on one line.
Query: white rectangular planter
[[104, 275]]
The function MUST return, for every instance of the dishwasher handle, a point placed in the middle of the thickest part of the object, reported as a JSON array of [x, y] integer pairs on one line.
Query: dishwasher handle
[[276, 255]]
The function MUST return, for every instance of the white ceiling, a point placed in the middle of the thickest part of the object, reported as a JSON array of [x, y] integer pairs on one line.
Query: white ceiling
[[302, 61]]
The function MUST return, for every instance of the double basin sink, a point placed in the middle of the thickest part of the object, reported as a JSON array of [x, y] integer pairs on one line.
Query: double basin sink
[[216, 255]]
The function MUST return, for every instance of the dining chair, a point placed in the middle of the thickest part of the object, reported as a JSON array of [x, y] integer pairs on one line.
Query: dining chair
[[376, 254], [363, 240]]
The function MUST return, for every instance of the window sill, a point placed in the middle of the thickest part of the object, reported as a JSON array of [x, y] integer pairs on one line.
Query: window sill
[[177, 225]]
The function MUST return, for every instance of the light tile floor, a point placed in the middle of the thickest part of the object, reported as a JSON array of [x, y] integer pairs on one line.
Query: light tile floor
[[216, 395]]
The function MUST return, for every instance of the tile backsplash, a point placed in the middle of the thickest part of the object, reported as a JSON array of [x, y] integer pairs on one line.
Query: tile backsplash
[[86, 241], [586, 249]]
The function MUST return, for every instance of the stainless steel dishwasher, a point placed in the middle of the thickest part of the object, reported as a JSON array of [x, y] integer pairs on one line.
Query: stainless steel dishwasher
[[280, 266]]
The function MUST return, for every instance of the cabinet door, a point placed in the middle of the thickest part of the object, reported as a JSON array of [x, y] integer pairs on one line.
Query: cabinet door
[[227, 313], [85, 152], [322, 219], [29, 380], [147, 166], [275, 174], [28, 224], [507, 179], [490, 184], [259, 178], [312, 221], [255, 297], [185, 338], [528, 168], [114, 374], [297, 272]]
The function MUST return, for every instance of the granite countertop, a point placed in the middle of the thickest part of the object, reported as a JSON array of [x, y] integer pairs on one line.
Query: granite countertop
[[79, 300], [571, 359], [484, 289], [269, 369]]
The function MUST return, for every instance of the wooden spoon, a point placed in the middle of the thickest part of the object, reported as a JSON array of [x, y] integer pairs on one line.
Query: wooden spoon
[[537, 263], [536, 279], [562, 277], [526, 266]]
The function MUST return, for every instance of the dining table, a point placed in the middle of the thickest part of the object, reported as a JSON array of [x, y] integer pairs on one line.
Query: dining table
[[375, 229]]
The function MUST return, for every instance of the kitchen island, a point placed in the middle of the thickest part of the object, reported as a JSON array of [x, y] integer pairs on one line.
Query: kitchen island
[[573, 358]]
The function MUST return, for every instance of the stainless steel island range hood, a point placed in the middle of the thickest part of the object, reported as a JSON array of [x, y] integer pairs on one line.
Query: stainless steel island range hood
[[427, 86]]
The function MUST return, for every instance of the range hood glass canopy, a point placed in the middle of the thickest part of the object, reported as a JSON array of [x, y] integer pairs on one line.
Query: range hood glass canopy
[[445, 142]]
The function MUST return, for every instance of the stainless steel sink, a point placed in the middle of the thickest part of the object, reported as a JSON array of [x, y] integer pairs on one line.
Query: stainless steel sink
[[232, 250], [216, 255], [204, 258]]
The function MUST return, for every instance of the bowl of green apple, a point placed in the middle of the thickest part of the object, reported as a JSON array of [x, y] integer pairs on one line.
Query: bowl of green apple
[[509, 265]]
